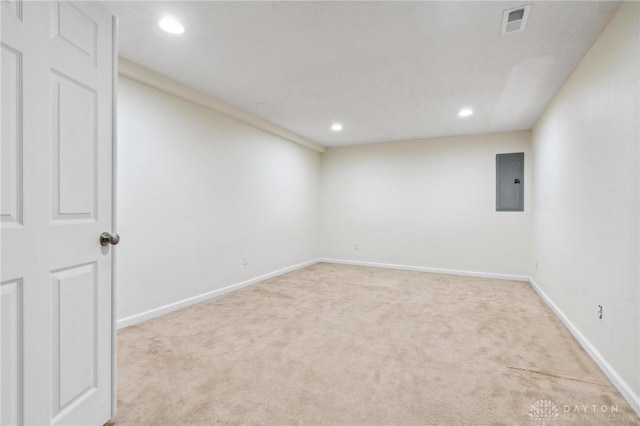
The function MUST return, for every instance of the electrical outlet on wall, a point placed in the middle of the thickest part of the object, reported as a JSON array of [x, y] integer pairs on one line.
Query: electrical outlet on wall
[[356, 246], [245, 259], [599, 311]]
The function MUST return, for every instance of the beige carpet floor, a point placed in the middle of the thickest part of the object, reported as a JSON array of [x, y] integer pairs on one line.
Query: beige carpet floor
[[347, 345]]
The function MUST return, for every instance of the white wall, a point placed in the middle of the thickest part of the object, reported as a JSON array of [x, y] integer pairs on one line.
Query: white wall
[[428, 203], [586, 214], [196, 192]]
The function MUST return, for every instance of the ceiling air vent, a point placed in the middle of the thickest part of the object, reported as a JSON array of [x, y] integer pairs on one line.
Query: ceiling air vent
[[515, 20]]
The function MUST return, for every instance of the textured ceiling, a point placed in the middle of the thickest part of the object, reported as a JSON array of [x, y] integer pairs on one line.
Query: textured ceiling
[[385, 70]]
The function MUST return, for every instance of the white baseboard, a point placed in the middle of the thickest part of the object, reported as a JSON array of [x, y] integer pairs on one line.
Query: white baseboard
[[428, 269], [162, 310], [632, 398]]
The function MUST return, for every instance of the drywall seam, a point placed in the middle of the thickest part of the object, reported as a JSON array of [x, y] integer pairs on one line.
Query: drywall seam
[[163, 310], [158, 81], [612, 375], [429, 269]]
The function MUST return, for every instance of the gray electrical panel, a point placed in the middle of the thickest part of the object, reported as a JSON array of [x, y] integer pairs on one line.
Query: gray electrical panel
[[510, 182]]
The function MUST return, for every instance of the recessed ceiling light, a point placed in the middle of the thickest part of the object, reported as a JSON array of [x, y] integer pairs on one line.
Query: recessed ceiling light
[[170, 25], [465, 112], [336, 127]]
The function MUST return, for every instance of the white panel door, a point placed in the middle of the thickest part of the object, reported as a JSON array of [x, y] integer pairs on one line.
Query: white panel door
[[56, 199]]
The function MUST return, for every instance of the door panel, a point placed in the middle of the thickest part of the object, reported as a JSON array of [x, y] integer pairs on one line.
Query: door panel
[[11, 183], [74, 334], [14, 7], [11, 351], [57, 166], [76, 28], [73, 139]]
